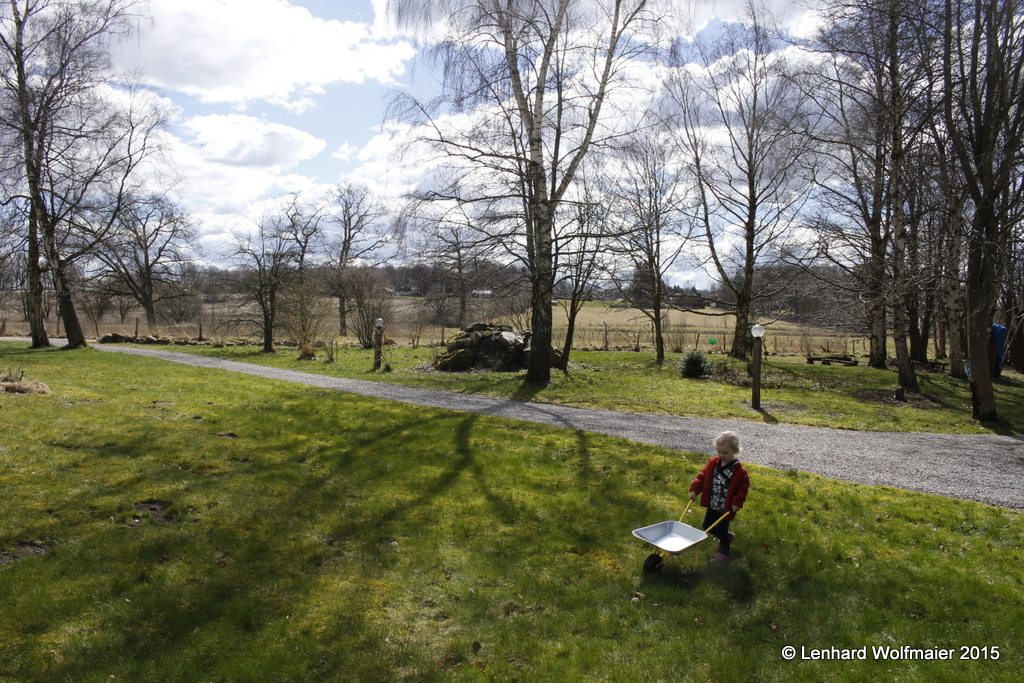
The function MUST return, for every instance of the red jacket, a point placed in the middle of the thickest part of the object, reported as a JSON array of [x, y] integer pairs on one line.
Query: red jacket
[[737, 493]]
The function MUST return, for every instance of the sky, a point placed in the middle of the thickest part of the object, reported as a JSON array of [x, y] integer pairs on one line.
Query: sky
[[269, 97]]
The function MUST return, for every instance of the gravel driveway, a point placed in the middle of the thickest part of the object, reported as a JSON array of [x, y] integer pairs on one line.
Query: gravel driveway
[[984, 468]]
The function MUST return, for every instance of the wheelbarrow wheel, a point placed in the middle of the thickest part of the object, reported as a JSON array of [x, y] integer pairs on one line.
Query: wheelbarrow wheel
[[653, 563]]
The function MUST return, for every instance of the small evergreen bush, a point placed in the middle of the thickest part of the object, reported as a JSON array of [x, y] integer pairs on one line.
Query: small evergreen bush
[[696, 364]]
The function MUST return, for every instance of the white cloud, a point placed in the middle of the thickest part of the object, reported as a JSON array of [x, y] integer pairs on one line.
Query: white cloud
[[239, 140], [344, 152], [237, 51], [227, 163], [798, 17]]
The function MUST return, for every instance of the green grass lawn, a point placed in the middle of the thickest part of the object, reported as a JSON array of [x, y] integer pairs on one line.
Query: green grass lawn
[[166, 523], [793, 392]]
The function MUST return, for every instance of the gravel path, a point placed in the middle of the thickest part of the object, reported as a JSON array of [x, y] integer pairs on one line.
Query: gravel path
[[984, 468]]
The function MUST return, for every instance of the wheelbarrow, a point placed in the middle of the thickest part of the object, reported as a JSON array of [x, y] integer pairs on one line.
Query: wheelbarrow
[[673, 538]]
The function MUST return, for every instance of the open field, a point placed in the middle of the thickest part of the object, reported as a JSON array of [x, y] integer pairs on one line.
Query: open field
[[165, 523], [599, 326]]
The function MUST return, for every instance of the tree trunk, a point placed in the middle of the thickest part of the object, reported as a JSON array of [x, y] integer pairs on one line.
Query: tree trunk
[[741, 336], [570, 332], [268, 307], [877, 352], [66, 305], [954, 306], [940, 338], [539, 367], [924, 331], [982, 283], [659, 333], [342, 316], [34, 301], [150, 309], [268, 332], [904, 367]]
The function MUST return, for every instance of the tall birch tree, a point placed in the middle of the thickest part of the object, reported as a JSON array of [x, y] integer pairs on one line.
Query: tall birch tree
[[70, 153], [526, 89]]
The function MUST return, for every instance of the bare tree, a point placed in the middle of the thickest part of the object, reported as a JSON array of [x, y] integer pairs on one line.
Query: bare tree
[[533, 77], [358, 237], [582, 258], [456, 252], [983, 77], [303, 222], [305, 314], [304, 305], [11, 254], [144, 253], [71, 152], [648, 196], [265, 261], [738, 121], [373, 301]]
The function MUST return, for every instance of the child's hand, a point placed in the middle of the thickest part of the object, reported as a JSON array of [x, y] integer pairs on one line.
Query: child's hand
[[693, 494]]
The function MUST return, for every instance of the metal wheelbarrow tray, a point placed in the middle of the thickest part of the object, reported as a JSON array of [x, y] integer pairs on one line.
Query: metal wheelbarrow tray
[[672, 538]]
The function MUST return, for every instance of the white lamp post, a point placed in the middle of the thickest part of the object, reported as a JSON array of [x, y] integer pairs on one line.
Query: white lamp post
[[757, 331]]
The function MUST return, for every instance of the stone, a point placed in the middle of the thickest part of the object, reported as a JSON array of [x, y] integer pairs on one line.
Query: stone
[[458, 360], [497, 348]]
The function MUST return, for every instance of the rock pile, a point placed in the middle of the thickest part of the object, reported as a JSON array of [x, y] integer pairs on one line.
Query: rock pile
[[498, 348], [115, 338]]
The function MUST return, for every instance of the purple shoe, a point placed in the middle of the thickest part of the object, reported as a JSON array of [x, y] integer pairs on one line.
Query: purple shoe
[[732, 537], [720, 558]]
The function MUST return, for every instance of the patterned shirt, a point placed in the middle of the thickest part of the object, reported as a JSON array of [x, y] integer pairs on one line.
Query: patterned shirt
[[720, 485]]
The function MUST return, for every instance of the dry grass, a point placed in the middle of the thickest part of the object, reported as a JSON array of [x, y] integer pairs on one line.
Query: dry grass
[[23, 387], [14, 382], [599, 326]]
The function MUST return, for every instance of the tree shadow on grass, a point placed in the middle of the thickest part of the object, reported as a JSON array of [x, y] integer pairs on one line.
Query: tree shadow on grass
[[527, 391], [668, 582]]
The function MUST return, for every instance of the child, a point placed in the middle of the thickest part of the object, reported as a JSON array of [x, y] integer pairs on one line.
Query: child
[[723, 485]]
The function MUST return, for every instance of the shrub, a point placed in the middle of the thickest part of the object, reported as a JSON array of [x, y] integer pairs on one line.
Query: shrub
[[696, 364]]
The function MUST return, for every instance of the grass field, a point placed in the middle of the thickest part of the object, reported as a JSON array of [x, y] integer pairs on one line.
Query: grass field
[[793, 392], [165, 523]]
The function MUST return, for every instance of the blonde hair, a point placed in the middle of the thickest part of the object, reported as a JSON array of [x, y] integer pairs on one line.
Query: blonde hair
[[728, 441]]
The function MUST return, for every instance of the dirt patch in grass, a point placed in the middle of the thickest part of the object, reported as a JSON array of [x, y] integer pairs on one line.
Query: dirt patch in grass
[[23, 550], [780, 408], [888, 397], [157, 508]]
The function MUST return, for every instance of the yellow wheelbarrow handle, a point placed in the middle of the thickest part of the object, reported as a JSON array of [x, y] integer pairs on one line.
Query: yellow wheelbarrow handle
[[727, 513], [686, 510]]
